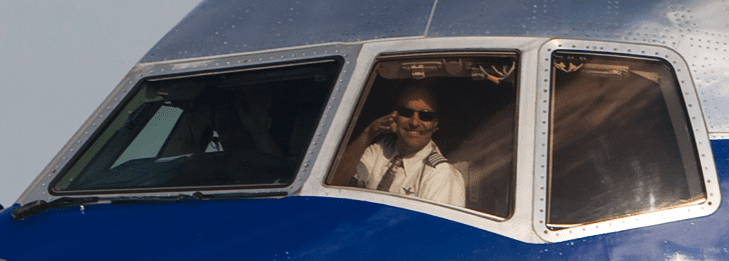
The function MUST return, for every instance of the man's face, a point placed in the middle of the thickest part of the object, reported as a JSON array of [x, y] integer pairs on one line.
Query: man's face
[[414, 132]]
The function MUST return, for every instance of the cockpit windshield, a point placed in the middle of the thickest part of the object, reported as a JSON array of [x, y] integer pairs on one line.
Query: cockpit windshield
[[249, 128]]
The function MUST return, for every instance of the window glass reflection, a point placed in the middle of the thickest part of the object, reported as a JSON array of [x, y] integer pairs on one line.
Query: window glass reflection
[[621, 142], [248, 128]]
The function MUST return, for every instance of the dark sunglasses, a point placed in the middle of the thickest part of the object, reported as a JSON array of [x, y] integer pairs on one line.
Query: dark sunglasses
[[424, 115]]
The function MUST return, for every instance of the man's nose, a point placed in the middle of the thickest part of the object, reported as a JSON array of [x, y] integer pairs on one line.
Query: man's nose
[[415, 120]]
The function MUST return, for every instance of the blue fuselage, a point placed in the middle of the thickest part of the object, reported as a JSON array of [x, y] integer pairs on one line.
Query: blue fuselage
[[316, 228]]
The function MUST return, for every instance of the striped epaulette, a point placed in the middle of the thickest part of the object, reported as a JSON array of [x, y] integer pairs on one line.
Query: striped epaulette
[[435, 158]]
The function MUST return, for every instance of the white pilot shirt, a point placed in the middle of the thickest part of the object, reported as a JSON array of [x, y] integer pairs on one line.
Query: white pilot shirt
[[425, 174]]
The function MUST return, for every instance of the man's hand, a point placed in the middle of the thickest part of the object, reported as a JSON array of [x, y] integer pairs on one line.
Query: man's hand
[[384, 124], [354, 151]]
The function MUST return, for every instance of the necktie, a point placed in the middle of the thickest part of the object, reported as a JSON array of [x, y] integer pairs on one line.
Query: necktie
[[386, 181]]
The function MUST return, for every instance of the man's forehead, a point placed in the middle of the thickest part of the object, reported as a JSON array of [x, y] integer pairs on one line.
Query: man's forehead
[[417, 94]]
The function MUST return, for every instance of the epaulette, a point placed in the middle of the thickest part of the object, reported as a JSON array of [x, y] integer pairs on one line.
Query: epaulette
[[435, 158]]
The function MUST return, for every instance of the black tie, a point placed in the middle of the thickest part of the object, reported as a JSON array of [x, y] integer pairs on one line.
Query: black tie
[[389, 176]]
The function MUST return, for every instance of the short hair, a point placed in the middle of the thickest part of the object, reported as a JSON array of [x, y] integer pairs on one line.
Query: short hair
[[418, 90]]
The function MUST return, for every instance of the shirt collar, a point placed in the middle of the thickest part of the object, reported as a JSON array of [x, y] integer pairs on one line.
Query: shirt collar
[[430, 154]]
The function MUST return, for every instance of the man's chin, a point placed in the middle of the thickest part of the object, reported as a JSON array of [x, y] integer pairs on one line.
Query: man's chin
[[411, 145]]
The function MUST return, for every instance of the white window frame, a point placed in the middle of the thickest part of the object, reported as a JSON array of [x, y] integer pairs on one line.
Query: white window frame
[[517, 225], [541, 159]]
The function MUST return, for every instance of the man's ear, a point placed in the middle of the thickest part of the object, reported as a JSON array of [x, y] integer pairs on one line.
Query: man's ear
[[435, 125]]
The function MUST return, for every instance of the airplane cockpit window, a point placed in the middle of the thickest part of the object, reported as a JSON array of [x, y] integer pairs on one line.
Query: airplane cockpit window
[[439, 127], [621, 142], [244, 128]]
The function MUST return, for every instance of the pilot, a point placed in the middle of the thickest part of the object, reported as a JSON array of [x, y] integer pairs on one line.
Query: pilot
[[252, 154], [409, 163], [244, 126]]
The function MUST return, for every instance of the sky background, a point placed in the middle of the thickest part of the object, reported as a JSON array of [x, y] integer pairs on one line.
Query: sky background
[[58, 61]]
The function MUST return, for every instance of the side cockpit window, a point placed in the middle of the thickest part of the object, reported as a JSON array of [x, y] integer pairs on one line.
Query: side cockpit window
[[246, 128], [439, 127], [621, 143]]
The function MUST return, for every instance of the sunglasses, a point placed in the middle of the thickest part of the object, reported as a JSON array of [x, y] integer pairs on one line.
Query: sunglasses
[[424, 115]]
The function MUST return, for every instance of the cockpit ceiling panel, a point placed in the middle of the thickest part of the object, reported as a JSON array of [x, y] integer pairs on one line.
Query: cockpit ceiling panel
[[230, 26]]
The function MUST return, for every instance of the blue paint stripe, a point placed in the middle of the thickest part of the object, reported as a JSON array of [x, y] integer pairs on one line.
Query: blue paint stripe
[[316, 228]]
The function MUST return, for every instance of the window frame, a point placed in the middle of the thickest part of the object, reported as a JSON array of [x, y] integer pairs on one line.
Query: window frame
[[542, 151], [138, 92], [366, 92], [515, 226], [41, 188]]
